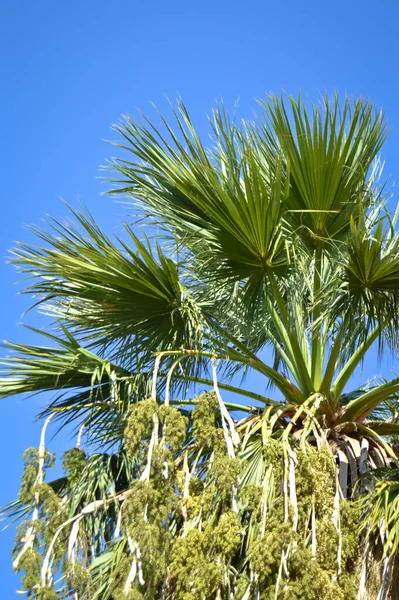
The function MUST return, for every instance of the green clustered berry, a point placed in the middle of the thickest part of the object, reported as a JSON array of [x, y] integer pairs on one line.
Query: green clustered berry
[[151, 591], [241, 585], [30, 473], [273, 452], [266, 551], [310, 577], [315, 477], [132, 594], [145, 514], [251, 497], [206, 432], [198, 548], [39, 532], [73, 463], [225, 472], [30, 563], [195, 574], [174, 425], [46, 593], [201, 559], [139, 423], [227, 535], [144, 496], [309, 580], [79, 580]]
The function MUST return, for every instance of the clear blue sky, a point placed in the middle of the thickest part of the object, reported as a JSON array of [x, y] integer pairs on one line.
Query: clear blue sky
[[69, 69]]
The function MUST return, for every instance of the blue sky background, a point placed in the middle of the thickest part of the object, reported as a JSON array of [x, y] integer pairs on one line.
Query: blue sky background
[[69, 69]]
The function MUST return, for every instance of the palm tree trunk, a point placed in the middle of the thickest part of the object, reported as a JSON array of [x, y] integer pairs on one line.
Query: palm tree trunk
[[395, 581]]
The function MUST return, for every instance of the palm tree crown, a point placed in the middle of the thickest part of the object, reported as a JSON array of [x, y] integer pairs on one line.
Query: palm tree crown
[[272, 251]]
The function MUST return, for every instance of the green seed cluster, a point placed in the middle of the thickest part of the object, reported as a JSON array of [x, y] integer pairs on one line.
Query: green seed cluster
[[30, 473], [79, 580], [138, 428], [174, 426], [201, 560], [281, 549], [73, 463], [50, 515], [199, 525], [206, 431]]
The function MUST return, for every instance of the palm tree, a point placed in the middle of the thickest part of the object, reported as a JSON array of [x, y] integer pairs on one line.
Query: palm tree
[[268, 261]]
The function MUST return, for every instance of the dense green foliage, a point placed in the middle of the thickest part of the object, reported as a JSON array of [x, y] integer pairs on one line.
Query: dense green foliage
[[272, 253]]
